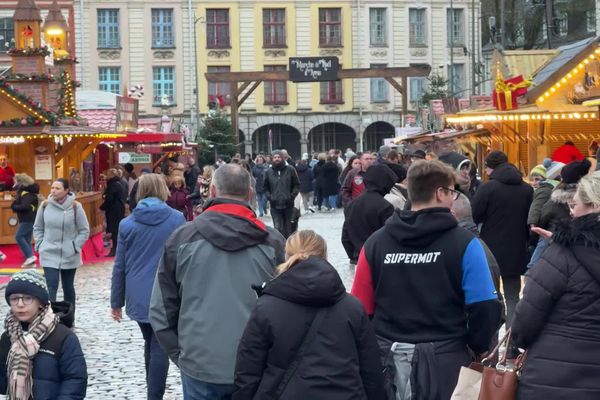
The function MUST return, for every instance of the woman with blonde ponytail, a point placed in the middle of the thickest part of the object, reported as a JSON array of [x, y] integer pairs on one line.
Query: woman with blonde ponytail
[[307, 338]]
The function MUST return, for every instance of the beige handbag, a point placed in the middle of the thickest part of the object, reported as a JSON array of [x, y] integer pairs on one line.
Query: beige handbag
[[469, 383]]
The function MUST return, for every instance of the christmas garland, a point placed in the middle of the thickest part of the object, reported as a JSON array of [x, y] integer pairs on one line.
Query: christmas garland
[[30, 78], [66, 99], [66, 60], [26, 101], [37, 51], [27, 121]]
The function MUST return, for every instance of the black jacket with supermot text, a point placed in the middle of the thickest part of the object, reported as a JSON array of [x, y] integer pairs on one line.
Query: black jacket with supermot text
[[424, 279]]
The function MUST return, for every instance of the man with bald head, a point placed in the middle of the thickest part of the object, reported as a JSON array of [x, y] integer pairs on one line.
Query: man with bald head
[[202, 296]]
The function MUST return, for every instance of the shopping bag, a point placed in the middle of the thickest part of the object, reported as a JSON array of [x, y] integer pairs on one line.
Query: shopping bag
[[469, 383]]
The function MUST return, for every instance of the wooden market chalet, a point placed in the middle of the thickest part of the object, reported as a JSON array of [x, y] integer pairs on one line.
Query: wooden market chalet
[[40, 131], [535, 115]]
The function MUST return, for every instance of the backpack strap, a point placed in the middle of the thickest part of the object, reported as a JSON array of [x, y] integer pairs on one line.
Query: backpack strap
[[308, 338], [75, 203]]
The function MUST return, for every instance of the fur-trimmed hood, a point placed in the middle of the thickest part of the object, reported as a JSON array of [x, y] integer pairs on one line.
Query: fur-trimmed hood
[[563, 193], [582, 237]]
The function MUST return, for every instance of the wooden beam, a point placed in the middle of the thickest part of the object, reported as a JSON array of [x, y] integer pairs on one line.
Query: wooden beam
[[242, 88], [419, 70], [248, 93], [235, 122], [67, 147], [405, 96], [395, 84]]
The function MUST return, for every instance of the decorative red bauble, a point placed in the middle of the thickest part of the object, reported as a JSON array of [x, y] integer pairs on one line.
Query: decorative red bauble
[[37, 122]]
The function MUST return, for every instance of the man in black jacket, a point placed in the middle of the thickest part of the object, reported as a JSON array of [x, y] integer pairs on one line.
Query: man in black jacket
[[427, 285], [501, 205], [281, 188], [369, 211]]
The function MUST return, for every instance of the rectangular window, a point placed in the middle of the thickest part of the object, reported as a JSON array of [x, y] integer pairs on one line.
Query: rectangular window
[[563, 24], [456, 78], [218, 90], [379, 87], [7, 34], [456, 25], [217, 28], [418, 86], [275, 91], [162, 28], [109, 79], [330, 27], [163, 86], [331, 92], [377, 26], [274, 27], [108, 29], [590, 21], [417, 27]]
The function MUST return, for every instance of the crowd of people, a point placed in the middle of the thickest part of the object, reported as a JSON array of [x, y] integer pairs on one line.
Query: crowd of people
[[246, 311]]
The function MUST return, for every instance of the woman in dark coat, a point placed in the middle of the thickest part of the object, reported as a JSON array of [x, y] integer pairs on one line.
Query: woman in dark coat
[[258, 172], [306, 177], [113, 206], [338, 361], [331, 176], [179, 197], [558, 318], [319, 175]]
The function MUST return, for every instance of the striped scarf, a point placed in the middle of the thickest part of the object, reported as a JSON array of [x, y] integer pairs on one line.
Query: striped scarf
[[24, 348]]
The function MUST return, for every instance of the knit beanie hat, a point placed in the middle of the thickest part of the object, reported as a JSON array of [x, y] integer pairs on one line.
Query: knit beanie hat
[[575, 170], [278, 153], [454, 159], [28, 282], [538, 170], [399, 170], [495, 158]]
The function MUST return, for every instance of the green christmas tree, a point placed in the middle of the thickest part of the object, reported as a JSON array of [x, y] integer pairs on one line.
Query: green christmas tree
[[216, 137]]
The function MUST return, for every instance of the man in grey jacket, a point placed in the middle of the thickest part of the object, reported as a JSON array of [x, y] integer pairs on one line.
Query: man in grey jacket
[[202, 295]]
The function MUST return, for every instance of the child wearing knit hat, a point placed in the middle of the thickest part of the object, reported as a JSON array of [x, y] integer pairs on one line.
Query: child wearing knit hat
[[39, 357]]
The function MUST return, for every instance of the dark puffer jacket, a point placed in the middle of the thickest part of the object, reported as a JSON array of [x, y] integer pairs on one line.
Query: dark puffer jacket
[[305, 174], [281, 186], [556, 210], [114, 205], [502, 205], [558, 318], [340, 363], [369, 211], [26, 203], [59, 369], [258, 172], [541, 195]]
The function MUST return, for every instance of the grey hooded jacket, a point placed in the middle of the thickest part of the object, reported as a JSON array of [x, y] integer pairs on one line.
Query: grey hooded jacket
[[60, 231], [202, 296]]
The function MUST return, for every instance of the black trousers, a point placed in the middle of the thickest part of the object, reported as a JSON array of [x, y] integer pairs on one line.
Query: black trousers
[[282, 220]]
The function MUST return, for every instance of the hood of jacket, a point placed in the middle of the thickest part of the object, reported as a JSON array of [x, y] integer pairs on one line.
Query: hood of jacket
[[508, 174], [301, 167], [563, 193], [582, 236], [230, 225], [312, 282], [65, 205], [152, 215], [33, 188], [454, 159], [379, 179], [419, 228]]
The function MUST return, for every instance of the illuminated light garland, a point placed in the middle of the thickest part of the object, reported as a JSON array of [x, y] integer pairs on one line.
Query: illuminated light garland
[[517, 117], [574, 72]]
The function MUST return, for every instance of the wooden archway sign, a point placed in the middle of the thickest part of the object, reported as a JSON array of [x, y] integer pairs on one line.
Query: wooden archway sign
[[245, 82]]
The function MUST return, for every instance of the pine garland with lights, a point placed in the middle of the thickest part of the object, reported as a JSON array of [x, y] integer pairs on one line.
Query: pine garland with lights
[[37, 51], [20, 99], [66, 60], [66, 96], [16, 122], [30, 78]]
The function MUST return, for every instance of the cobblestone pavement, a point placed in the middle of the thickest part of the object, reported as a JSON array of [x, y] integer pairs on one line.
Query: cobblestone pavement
[[114, 351]]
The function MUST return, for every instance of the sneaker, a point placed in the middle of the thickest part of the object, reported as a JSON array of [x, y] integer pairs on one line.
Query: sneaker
[[30, 261], [311, 209]]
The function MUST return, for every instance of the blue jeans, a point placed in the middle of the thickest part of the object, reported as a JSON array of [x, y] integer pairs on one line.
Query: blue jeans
[[332, 201], [194, 389], [541, 246], [67, 276], [157, 363], [261, 199], [23, 238]]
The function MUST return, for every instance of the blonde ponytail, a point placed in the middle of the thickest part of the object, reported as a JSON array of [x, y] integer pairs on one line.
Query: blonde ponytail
[[300, 246]]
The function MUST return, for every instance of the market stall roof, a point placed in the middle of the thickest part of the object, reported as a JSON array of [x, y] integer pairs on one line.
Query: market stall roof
[[155, 137], [528, 62], [569, 57]]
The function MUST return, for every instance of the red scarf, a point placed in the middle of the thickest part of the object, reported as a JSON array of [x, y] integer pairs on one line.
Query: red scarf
[[238, 211]]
